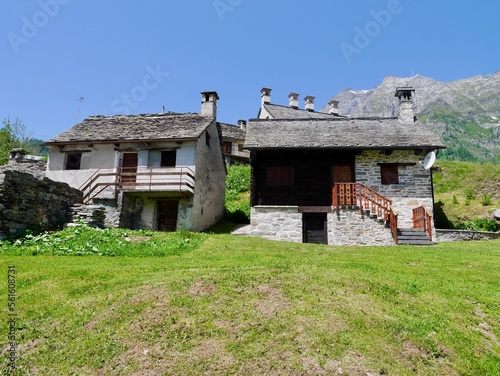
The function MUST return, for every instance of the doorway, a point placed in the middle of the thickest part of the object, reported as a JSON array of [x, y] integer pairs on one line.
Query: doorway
[[129, 170], [314, 226], [167, 215]]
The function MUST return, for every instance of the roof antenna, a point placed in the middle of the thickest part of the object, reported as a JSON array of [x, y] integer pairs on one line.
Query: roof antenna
[[162, 109], [81, 99]]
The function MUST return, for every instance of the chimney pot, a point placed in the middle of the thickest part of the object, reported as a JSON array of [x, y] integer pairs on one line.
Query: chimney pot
[[293, 100], [333, 107], [406, 112], [209, 103], [242, 124], [309, 103], [265, 94]]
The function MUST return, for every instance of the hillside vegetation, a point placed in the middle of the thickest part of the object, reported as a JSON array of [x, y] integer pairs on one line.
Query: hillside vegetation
[[177, 304], [465, 194]]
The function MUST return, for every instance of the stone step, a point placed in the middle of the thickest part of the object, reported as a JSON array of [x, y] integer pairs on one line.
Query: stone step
[[413, 236]]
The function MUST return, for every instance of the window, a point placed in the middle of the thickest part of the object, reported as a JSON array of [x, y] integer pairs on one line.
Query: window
[[280, 175], [227, 147], [73, 161], [389, 174], [240, 147], [168, 158]]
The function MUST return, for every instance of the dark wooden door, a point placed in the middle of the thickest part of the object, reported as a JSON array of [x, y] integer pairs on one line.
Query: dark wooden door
[[129, 170], [342, 174], [167, 215], [314, 228]]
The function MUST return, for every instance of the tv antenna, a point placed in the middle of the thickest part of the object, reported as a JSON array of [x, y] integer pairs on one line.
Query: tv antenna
[[81, 99]]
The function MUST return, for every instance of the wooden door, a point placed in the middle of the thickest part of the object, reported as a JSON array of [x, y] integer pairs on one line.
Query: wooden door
[[314, 228], [342, 174], [167, 215], [129, 170]]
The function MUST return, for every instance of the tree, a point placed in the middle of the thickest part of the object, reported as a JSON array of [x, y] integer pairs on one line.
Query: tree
[[13, 135]]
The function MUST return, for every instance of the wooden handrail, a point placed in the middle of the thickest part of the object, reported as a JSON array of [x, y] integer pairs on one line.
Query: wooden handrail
[[358, 194], [138, 179], [393, 219], [422, 218]]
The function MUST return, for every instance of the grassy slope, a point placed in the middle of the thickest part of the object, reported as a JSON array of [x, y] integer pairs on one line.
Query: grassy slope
[[454, 179], [250, 306]]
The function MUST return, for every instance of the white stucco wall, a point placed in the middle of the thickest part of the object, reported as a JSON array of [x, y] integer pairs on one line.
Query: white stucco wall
[[208, 202]]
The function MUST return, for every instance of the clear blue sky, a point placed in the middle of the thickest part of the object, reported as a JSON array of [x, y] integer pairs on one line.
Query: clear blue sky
[[164, 52]]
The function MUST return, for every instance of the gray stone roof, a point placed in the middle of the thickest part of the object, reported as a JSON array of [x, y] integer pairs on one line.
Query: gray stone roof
[[232, 132], [283, 112], [339, 133], [150, 127]]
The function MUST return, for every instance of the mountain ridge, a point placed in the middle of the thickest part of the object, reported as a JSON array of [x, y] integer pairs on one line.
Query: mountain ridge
[[465, 113]]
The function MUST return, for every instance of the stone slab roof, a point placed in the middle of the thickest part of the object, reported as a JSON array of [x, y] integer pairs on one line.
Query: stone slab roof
[[284, 112], [144, 127], [232, 132], [340, 133]]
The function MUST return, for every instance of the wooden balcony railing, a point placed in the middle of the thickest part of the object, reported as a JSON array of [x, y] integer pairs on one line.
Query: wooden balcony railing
[[157, 179], [422, 218], [357, 194]]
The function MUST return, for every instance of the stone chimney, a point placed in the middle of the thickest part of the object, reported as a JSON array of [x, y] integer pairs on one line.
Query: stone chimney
[[16, 155], [293, 100], [242, 124], [333, 107], [309, 103], [209, 103], [406, 106], [265, 95]]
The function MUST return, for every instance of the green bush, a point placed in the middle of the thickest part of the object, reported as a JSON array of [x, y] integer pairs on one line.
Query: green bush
[[470, 194], [482, 224], [486, 200], [237, 202]]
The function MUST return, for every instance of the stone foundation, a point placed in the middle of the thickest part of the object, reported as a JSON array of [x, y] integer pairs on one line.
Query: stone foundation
[[349, 227], [276, 223]]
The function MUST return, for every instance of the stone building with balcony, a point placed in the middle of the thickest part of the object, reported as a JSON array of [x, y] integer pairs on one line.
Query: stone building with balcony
[[161, 171], [325, 178]]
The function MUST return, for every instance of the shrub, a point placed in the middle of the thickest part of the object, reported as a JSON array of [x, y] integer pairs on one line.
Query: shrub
[[454, 200], [486, 200], [470, 194]]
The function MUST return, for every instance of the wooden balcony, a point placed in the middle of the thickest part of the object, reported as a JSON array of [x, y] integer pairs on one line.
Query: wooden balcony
[[140, 179]]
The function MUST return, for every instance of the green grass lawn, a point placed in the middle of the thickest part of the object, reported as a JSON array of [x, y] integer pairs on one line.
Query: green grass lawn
[[220, 304]]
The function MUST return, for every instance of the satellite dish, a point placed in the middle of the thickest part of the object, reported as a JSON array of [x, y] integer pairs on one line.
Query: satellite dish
[[429, 160]]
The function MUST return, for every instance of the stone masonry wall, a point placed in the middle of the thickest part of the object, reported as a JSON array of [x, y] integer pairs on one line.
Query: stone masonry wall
[[276, 223], [349, 227], [415, 184], [26, 200]]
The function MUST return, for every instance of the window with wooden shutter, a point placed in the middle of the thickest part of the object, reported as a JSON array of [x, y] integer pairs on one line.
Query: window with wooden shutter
[[389, 174], [280, 175]]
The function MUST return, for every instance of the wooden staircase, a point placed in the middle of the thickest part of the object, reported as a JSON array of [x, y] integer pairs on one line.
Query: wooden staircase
[[372, 204]]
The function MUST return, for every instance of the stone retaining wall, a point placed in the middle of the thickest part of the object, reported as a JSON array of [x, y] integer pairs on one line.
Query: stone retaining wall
[[461, 235], [27, 201]]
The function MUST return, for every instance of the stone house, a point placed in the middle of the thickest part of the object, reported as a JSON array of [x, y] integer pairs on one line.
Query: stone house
[[233, 140], [152, 171], [325, 178]]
